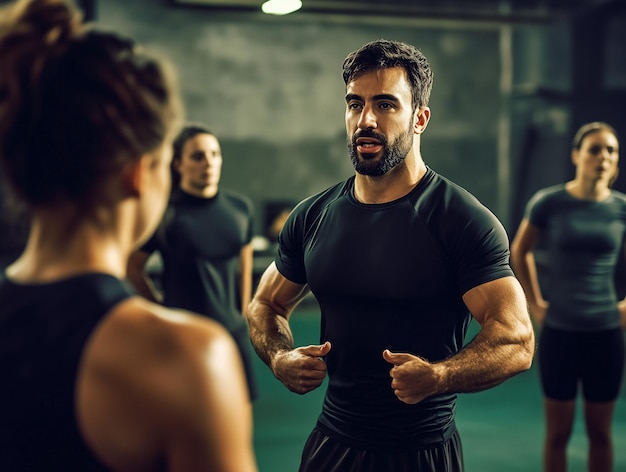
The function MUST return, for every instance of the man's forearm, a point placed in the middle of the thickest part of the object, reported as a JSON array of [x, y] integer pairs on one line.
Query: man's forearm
[[488, 360], [269, 333]]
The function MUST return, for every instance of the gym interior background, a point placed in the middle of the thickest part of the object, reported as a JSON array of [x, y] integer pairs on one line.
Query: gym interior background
[[513, 80]]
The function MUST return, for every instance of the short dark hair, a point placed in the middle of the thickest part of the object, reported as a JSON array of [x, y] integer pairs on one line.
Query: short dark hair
[[76, 104], [384, 54], [189, 131]]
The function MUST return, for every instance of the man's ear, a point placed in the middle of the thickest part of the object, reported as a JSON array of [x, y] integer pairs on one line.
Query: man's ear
[[422, 117]]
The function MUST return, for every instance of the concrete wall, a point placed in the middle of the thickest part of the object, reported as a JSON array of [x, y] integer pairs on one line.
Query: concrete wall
[[272, 91]]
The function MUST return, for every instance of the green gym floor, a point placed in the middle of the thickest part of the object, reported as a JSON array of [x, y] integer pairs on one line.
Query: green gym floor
[[501, 428]]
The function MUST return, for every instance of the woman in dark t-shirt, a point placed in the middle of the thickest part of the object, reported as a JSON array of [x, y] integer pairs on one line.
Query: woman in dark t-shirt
[[581, 224]]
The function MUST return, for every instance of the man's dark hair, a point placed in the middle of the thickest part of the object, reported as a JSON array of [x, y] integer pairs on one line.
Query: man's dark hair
[[384, 54]]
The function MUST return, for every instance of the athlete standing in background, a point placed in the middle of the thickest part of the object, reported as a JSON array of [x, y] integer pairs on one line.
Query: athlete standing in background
[[582, 224]]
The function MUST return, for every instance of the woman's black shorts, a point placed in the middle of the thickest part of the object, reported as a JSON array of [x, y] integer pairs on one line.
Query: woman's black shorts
[[595, 360]]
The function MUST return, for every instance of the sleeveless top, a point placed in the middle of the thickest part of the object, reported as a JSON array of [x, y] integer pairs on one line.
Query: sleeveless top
[[43, 331]]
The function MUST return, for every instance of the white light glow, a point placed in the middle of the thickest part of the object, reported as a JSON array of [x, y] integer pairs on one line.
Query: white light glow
[[281, 7]]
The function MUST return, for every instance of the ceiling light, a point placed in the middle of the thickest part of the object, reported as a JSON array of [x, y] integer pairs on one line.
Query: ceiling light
[[281, 7]]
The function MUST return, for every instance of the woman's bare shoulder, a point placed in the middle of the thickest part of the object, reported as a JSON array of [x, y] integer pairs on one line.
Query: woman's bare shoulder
[[150, 372]]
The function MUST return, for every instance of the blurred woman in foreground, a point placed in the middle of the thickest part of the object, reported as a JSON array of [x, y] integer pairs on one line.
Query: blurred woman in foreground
[[95, 377]]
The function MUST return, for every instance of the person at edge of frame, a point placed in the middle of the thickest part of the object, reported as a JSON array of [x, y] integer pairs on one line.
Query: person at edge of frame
[[582, 224], [95, 377]]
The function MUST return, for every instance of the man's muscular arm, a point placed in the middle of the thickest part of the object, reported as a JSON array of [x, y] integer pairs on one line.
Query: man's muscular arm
[[300, 369], [503, 347]]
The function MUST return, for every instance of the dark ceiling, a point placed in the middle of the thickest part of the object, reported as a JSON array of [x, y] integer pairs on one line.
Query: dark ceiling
[[482, 10]]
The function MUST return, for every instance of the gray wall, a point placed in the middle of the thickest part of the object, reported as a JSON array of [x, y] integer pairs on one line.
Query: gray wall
[[272, 91], [568, 73]]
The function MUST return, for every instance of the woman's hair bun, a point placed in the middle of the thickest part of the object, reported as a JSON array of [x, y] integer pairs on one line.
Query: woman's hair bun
[[34, 35], [76, 103], [48, 23]]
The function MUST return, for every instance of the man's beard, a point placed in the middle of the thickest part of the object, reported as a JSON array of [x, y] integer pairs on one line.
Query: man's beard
[[393, 154]]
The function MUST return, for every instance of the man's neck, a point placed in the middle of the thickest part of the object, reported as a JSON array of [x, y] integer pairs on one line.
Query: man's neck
[[395, 184]]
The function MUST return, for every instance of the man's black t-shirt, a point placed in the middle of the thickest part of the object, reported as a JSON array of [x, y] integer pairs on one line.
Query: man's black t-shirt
[[390, 276]]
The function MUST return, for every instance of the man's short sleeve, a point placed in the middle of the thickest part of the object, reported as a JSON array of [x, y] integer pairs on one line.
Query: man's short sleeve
[[290, 257]]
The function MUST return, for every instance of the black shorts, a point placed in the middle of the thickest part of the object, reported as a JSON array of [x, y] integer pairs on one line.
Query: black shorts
[[323, 454], [593, 359]]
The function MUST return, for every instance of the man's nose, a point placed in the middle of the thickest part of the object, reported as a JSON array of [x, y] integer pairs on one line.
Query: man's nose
[[367, 119]]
